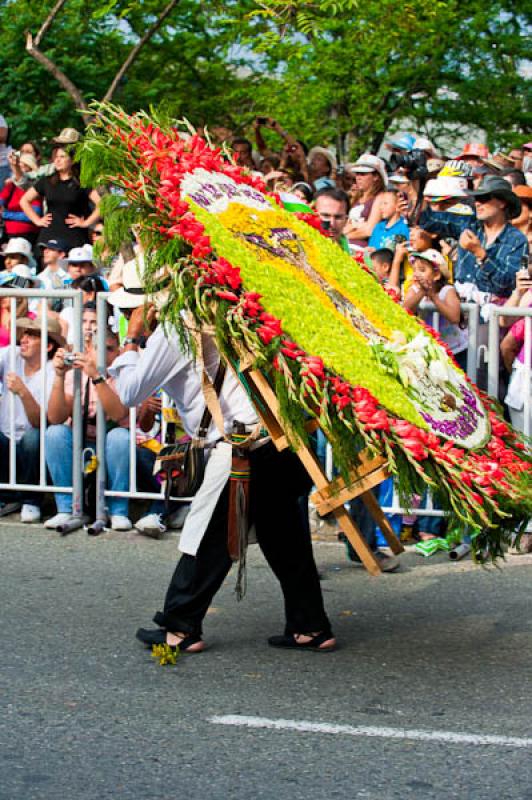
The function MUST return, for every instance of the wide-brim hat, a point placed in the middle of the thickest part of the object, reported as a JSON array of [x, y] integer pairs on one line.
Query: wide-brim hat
[[18, 246], [446, 186], [133, 293], [524, 193], [328, 154], [403, 142], [500, 188], [475, 150], [370, 163], [67, 136], [53, 326]]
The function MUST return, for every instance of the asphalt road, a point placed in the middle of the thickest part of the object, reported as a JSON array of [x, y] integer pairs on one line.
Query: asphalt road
[[88, 714]]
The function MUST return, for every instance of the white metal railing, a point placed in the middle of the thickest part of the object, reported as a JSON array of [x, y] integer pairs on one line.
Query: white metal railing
[[43, 296], [476, 353]]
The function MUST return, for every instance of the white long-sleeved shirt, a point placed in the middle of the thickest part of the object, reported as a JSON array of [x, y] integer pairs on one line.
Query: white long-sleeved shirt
[[163, 364], [34, 383]]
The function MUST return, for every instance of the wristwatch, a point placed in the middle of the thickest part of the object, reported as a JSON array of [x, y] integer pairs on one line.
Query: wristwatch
[[99, 379], [140, 341]]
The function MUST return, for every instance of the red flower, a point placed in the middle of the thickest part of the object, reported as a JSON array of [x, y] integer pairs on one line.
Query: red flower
[[226, 295], [266, 334]]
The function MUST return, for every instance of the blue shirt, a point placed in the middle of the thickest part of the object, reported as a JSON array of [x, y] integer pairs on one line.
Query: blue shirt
[[383, 236], [496, 274]]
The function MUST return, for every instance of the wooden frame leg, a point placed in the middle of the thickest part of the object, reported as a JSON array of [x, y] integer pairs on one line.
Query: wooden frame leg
[[267, 406], [360, 546]]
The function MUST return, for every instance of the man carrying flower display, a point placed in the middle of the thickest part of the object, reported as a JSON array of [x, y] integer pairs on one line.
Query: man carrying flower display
[[277, 480]]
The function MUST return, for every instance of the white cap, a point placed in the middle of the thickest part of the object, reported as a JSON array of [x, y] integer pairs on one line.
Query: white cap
[[80, 255]]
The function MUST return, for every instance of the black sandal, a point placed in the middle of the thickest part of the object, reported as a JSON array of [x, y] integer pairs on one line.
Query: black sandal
[[158, 636], [289, 642]]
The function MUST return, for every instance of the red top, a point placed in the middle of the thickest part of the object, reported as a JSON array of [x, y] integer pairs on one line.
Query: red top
[[10, 201]]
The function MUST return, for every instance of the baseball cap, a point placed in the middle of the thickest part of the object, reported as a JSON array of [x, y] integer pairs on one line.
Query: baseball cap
[[79, 255], [432, 256], [55, 244]]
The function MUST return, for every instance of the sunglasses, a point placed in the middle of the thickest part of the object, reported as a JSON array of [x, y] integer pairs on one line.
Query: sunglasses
[[485, 198]]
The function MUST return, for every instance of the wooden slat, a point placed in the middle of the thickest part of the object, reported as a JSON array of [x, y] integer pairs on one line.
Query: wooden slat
[[360, 545], [327, 500]]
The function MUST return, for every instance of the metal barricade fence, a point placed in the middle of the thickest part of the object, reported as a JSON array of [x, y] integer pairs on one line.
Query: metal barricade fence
[[474, 356], [102, 311], [43, 296]]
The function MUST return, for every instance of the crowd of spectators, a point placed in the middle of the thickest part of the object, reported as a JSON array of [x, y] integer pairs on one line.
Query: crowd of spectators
[[434, 229]]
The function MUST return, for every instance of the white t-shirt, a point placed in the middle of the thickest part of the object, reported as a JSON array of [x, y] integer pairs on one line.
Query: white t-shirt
[[454, 336], [33, 382]]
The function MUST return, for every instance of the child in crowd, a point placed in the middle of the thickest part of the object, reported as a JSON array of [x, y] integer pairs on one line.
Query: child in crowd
[[419, 241], [385, 268], [392, 224], [430, 274]]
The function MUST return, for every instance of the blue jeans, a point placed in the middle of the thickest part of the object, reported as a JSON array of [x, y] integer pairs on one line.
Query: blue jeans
[[27, 467], [59, 461], [433, 525], [117, 460]]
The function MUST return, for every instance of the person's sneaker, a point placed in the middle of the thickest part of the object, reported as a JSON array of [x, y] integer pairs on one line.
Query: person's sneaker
[[388, 563], [9, 508], [30, 513], [59, 519], [151, 525], [120, 523], [176, 520]]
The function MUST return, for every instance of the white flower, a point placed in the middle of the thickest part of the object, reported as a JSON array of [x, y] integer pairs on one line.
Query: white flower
[[438, 372]]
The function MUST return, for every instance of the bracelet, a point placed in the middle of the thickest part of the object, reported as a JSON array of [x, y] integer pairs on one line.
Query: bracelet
[[99, 379]]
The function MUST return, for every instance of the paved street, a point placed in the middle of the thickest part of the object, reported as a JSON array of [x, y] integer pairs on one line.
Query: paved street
[[87, 714]]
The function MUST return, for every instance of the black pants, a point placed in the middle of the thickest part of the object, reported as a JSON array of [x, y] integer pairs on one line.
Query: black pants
[[277, 480]]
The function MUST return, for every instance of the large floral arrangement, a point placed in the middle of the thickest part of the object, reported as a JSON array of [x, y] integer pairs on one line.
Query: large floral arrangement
[[336, 346]]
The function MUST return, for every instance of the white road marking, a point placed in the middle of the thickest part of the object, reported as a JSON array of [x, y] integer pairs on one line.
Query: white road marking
[[303, 726]]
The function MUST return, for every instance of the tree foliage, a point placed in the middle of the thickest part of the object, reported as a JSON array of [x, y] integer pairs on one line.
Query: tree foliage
[[333, 70]]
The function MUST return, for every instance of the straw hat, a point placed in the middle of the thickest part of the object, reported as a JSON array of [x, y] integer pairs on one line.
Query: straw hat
[[53, 326]]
